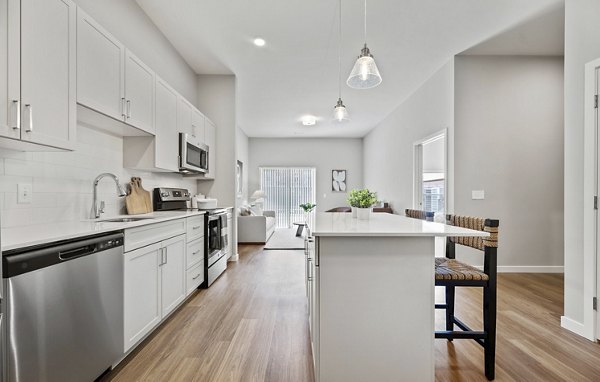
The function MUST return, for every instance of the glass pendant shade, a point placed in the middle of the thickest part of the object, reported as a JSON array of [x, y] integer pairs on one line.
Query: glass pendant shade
[[365, 74], [340, 114]]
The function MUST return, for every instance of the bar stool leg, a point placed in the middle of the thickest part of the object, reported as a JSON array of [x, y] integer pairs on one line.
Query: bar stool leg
[[489, 326], [450, 295]]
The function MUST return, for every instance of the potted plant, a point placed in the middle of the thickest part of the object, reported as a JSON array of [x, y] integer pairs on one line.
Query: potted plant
[[364, 201], [353, 201], [308, 207]]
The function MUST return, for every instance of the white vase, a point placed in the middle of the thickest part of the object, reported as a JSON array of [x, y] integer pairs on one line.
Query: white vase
[[354, 209], [363, 213]]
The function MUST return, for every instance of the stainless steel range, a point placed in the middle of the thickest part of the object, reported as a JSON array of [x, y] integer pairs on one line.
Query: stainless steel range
[[215, 229]]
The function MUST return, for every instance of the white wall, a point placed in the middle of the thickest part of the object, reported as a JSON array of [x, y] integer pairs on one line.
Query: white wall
[[388, 148], [242, 154], [217, 100], [62, 182], [582, 44], [508, 141], [323, 154], [129, 24]]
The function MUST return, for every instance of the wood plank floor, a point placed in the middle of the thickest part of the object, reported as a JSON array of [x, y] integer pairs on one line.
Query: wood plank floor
[[251, 326]]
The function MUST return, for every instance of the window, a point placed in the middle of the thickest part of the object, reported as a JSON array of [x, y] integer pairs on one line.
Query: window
[[286, 188]]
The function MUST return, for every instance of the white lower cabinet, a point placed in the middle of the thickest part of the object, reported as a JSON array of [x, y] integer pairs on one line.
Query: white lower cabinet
[[172, 273], [155, 284], [312, 292], [195, 253], [142, 298]]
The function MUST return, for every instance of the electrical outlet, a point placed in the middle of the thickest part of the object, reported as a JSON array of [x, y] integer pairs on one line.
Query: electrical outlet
[[24, 191], [478, 194]]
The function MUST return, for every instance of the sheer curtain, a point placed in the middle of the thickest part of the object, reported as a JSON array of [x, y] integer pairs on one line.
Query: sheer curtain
[[286, 188]]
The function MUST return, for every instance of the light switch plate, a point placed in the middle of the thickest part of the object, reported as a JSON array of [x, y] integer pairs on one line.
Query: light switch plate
[[24, 191], [478, 194]]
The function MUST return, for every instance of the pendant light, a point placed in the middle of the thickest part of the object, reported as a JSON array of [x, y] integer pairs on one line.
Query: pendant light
[[365, 74], [340, 113]]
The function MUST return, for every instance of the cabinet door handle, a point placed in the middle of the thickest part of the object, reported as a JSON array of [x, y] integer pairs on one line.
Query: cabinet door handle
[[160, 251], [195, 253], [128, 108], [30, 128], [195, 277], [17, 105], [196, 227], [166, 256], [309, 269], [123, 108]]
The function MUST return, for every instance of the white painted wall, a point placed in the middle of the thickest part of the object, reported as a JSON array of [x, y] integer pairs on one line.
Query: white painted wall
[[241, 150], [129, 24], [217, 100], [62, 182], [388, 148], [508, 141], [325, 154], [582, 44]]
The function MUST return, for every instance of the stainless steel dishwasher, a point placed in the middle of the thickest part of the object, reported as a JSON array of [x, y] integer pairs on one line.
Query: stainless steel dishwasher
[[64, 310]]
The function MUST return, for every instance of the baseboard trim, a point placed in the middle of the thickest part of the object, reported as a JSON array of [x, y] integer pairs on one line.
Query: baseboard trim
[[234, 257], [572, 325], [531, 269], [528, 268]]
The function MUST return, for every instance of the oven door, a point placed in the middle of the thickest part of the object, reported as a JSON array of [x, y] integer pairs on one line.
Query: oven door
[[215, 242], [193, 155]]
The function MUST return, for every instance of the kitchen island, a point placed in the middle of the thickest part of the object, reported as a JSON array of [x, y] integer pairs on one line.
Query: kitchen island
[[370, 287]]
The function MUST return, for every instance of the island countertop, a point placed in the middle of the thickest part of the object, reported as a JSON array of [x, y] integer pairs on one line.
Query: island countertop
[[381, 224]]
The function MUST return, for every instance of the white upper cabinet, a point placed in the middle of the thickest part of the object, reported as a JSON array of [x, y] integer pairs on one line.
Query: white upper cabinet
[[9, 69], [210, 138], [139, 93], [100, 68], [166, 141], [184, 116], [48, 104], [110, 79], [198, 125]]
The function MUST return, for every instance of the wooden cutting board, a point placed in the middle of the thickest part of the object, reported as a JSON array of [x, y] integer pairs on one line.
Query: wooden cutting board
[[138, 201]]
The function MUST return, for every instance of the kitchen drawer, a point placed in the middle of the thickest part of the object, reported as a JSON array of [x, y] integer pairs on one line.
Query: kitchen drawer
[[195, 227], [195, 252], [194, 277], [152, 233]]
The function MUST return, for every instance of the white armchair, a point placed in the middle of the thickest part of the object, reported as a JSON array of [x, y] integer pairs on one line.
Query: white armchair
[[256, 229]]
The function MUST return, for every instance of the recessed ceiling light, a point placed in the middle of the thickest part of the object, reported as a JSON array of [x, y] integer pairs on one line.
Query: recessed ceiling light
[[309, 120], [259, 41]]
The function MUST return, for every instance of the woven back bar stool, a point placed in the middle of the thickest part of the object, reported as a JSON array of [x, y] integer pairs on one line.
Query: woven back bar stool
[[418, 214], [451, 273]]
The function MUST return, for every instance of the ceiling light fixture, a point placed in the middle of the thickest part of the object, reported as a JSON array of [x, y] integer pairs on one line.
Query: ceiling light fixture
[[259, 42], [365, 74], [340, 113], [309, 120]]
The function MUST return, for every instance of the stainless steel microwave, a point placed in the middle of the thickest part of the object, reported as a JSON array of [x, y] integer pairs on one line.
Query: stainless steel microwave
[[193, 155]]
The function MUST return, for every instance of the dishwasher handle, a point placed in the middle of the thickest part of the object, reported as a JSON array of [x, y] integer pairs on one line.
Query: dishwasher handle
[[27, 260]]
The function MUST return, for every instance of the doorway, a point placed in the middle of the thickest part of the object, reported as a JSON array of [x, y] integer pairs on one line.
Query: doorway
[[285, 189], [430, 173]]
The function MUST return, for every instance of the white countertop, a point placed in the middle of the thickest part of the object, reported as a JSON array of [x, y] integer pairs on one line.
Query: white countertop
[[381, 224], [26, 236]]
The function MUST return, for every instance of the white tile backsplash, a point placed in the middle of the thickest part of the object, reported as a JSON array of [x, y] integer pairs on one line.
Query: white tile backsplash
[[62, 181]]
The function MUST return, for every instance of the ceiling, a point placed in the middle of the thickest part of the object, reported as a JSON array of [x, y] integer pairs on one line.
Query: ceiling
[[296, 72], [542, 35]]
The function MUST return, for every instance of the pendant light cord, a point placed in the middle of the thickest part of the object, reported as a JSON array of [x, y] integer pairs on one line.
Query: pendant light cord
[[340, 56], [365, 22]]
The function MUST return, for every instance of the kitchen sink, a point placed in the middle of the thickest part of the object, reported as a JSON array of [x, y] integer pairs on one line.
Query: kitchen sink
[[123, 220]]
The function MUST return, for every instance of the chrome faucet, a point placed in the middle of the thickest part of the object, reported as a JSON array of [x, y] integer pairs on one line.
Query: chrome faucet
[[98, 209]]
